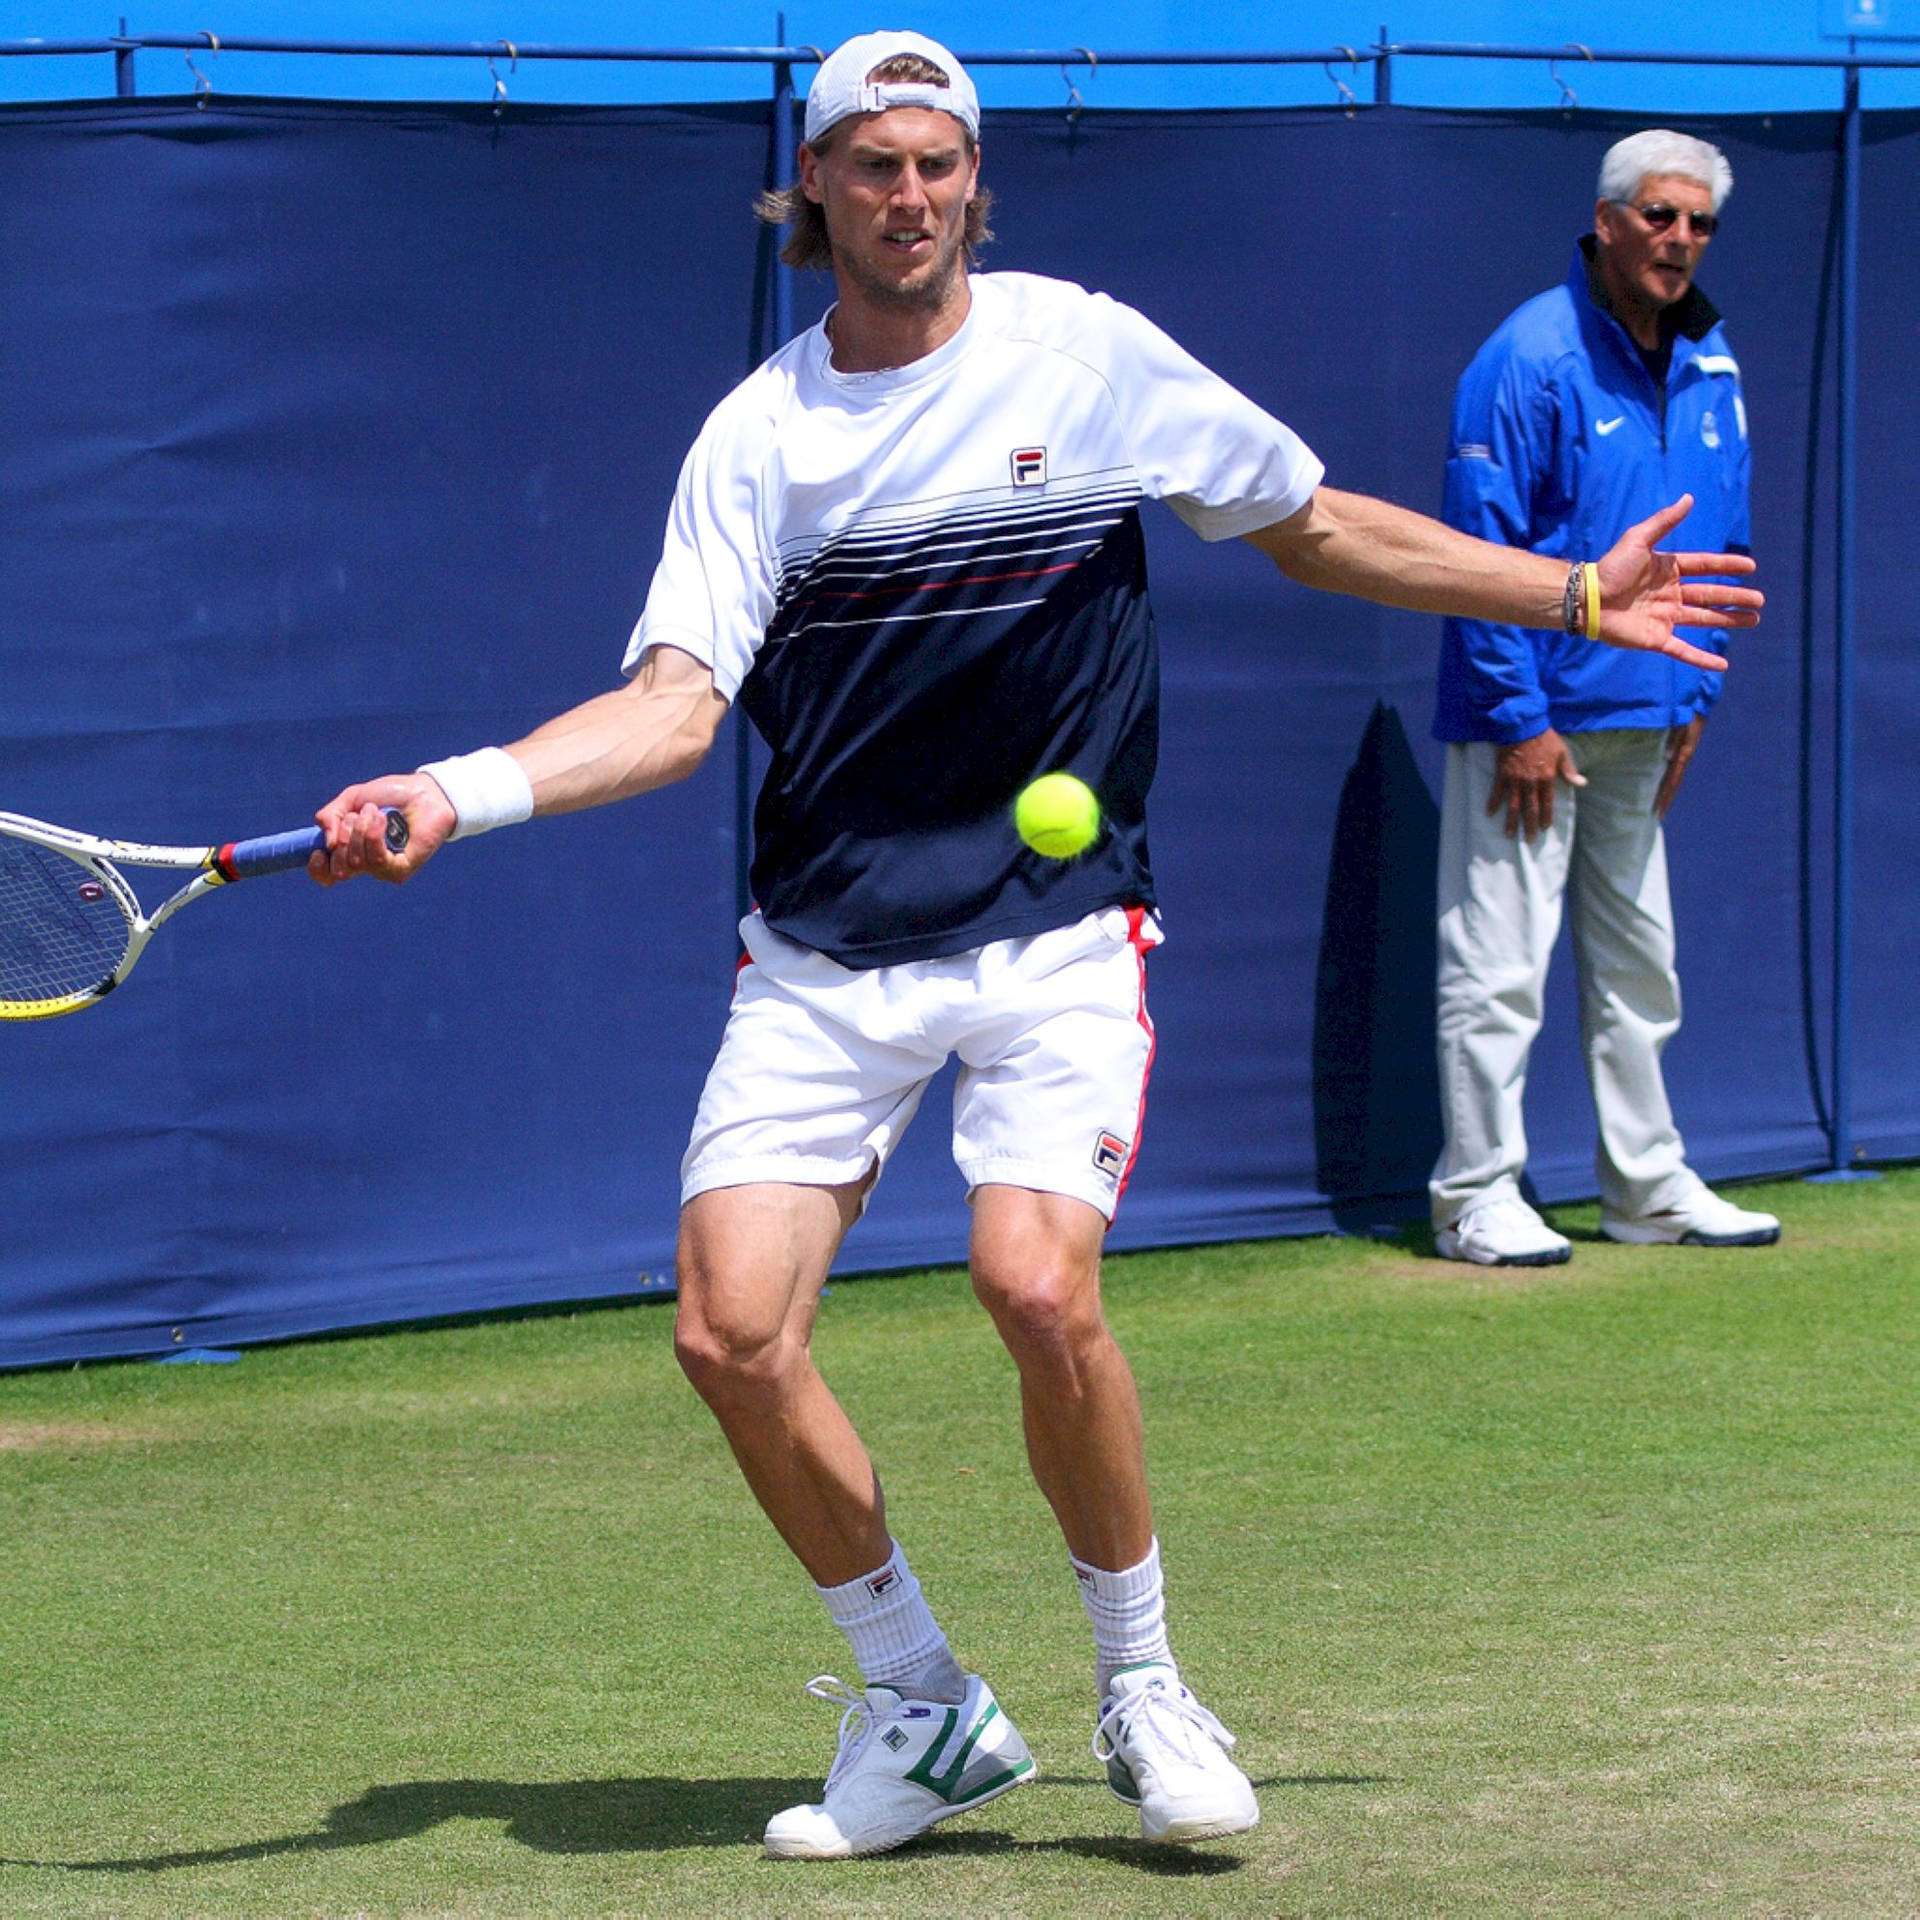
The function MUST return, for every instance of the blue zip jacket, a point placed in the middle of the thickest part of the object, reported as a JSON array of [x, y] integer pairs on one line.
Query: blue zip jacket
[[1561, 441]]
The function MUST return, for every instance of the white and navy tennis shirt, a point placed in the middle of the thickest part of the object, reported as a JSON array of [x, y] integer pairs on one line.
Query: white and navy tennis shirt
[[927, 586]]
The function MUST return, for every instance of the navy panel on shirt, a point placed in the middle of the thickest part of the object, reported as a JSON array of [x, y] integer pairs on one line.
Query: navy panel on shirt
[[921, 668]]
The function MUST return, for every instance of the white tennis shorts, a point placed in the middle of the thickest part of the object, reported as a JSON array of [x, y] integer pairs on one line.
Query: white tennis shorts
[[822, 1066]]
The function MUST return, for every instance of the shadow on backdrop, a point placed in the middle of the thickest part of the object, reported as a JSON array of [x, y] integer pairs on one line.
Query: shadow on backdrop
[[1376, 1088]]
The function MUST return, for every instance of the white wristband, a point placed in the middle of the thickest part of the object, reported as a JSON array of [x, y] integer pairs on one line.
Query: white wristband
[[487, 789]]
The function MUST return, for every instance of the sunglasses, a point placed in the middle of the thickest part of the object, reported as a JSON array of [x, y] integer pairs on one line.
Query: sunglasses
[[1659, 216]]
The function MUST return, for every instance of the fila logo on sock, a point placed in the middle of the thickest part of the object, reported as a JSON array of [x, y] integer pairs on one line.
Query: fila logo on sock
[[1029, 466], [883, 1583], [1110, 1154]]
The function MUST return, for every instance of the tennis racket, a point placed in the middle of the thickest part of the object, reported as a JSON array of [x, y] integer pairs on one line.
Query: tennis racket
[[71, 927]]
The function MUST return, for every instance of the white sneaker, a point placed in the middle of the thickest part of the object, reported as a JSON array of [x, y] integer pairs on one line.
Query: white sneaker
[[902, 1765], [1698, 1219], [1503, 1232], [1167, 1755]]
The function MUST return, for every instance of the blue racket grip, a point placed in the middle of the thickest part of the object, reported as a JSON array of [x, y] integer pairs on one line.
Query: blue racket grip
[[278, 852]]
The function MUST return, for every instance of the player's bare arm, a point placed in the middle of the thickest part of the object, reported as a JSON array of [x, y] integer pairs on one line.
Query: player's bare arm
[[1352, 543], [651, 732]]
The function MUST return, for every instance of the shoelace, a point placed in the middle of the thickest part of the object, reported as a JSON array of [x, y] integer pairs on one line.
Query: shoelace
[[1154, 1701], [856, 1722]]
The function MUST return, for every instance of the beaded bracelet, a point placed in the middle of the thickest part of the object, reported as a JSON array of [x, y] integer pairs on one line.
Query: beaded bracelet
[[1580, 603]]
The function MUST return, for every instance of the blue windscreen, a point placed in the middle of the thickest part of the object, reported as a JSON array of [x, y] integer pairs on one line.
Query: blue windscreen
[[340, 437]]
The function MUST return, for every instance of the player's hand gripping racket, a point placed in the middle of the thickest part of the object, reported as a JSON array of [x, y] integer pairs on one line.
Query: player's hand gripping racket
[[70, 926]]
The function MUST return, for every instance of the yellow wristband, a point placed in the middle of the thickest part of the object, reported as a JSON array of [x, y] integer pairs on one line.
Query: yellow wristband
[[1593, 600]]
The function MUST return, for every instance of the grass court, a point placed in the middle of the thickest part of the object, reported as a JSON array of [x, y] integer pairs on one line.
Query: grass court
[[1588, 1590]]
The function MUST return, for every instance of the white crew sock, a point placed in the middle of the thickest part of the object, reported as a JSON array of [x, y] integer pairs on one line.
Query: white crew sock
[[1129, 1614], [893, 1633]]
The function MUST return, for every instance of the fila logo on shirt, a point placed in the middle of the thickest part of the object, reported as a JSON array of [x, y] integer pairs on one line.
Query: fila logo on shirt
[[1110, 1153], [1029, 466]]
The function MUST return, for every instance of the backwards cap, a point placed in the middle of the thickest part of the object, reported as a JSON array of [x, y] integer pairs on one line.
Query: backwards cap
[[841, 88]]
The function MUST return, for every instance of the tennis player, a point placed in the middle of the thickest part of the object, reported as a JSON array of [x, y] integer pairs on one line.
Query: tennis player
[[910, 547]]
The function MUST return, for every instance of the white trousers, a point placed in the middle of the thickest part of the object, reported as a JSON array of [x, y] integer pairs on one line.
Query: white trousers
[[1499, 901]]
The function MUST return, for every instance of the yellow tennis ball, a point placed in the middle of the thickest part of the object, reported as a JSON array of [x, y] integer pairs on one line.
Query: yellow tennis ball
[[1057, 815]]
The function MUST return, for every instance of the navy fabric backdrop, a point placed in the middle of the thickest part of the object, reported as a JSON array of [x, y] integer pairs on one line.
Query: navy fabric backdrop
[[339, 437]]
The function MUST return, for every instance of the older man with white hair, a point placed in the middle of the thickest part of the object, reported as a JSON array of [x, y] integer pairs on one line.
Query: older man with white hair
[[1614, 391]]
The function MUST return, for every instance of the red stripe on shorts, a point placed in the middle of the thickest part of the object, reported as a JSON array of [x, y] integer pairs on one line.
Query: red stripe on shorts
[[746, 959], [1136, 938]]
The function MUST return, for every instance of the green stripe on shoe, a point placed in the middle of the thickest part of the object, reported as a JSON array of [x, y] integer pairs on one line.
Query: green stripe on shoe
[[946, 1783]]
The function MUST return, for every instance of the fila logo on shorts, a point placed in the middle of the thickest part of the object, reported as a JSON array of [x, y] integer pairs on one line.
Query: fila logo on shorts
[[1110, 1154], [1029, 466]]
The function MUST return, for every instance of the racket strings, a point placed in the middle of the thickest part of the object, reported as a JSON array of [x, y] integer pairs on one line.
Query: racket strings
[[61, 930]]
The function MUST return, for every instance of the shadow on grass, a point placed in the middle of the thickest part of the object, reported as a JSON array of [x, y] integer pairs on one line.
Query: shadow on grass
[[628, 1816], [558, 1816]]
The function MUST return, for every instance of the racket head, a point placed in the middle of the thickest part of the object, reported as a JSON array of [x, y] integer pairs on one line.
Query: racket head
[[69, 925]]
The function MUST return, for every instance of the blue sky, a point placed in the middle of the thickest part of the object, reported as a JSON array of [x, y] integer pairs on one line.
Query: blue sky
[[1769, 26]]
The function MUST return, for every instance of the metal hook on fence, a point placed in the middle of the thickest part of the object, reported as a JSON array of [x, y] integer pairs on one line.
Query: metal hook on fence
[[1075, 105], [499, 85], [202, 86], [1568, 98], [1348, 98]]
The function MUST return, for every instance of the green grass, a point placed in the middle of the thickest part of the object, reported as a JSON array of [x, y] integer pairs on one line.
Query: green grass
[[1581, 1591]]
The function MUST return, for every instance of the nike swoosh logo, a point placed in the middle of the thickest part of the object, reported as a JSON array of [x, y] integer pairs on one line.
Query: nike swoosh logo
[[1605, 427]]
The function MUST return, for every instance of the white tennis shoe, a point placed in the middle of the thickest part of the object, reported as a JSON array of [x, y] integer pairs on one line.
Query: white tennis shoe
[[1698, 1219], [902, 1766], [1502, 1232], [1168, 1756]]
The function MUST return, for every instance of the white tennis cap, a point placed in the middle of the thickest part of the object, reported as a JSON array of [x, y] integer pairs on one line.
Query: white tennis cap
[[841, 88]]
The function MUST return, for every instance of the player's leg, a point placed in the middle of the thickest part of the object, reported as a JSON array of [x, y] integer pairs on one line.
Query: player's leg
[[1499, 913], [1623, 941], [752, 1260], [1036, 1269], [1046, 1116], [798, 1114], [921, 1740], [1055, 1051], [808, 1095]]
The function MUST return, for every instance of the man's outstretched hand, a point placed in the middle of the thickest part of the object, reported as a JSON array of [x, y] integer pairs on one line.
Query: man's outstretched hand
[[1644, 595]]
